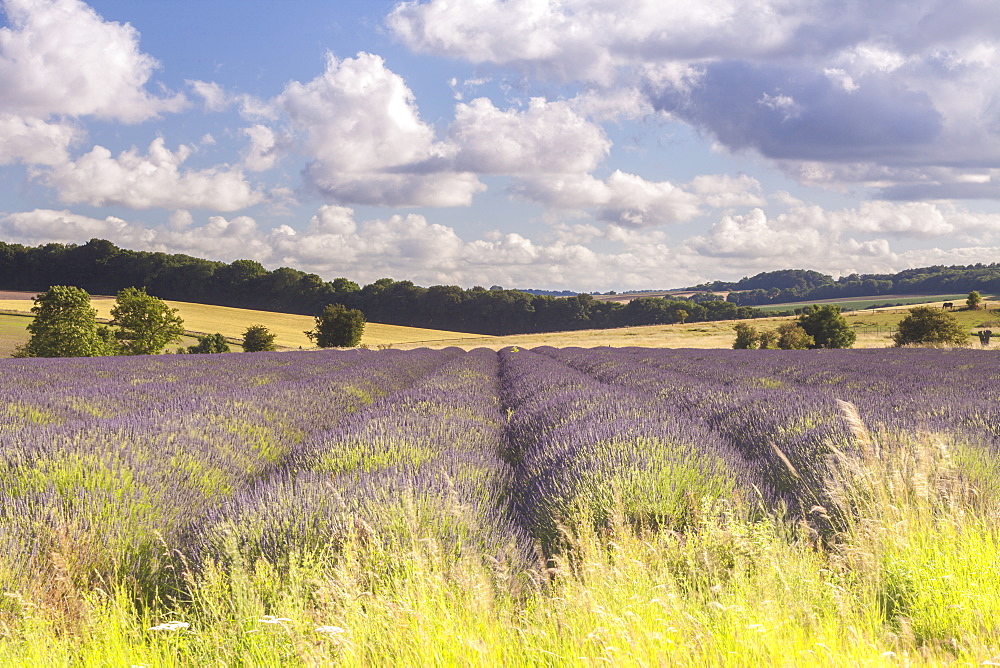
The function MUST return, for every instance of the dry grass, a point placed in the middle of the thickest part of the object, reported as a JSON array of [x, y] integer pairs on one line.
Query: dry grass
[[872, 328], [288, 328], [689, 335]]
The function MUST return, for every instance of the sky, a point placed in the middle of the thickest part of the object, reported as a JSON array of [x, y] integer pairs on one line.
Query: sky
[[587, 145]]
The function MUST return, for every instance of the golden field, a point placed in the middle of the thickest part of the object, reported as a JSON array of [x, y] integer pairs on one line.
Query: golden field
[[873, 328], [232, 322]]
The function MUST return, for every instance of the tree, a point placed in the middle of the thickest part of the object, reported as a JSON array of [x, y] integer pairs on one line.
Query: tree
[[927, 325], [145, 323], [827, 326], [747, 337], [338, 327], [257, 338], [210, 344], [974, 300], [65, 325], [791, 336], [768, 339]]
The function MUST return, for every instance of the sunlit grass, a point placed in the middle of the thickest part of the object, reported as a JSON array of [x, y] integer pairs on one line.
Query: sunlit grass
[[289, 329], [905, 583]]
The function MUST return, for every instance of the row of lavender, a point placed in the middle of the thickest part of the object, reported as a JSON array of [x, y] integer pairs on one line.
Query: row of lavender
[[121, 467], [111, 465]]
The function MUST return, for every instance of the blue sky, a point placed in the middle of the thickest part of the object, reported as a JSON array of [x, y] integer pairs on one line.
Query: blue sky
[[571, 144]]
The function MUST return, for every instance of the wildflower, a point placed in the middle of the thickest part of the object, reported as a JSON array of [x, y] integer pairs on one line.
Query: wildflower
[[331, 630], [271, 619], [170, 626]]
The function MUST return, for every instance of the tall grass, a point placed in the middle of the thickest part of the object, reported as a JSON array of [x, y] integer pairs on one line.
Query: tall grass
[[907, 576]]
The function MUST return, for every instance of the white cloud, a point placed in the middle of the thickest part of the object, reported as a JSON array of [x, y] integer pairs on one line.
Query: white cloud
[[631, 201], [32, 140], [58, 57], [907, 88], [591, 39], [264, 151], [358, 123], [578, 257], [547, 137], [212, 94], [152, 180]]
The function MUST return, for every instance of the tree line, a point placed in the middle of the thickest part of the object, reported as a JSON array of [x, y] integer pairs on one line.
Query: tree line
[[791, 285], [100, 267]]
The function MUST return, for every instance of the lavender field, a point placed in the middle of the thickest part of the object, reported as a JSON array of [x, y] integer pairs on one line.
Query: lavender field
[[530, 507]]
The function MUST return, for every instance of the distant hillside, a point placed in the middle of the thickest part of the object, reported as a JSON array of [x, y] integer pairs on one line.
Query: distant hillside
[[792, 285]]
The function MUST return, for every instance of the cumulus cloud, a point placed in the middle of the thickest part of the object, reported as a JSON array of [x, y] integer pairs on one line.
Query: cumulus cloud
[[32, 140], [835, 240], [547, 137], [629, 200], [591, 39], [212, 94], [900, 87], [59, 57], [580, 257], [152, 180], [59, 61], [359, 124], [264, 150]]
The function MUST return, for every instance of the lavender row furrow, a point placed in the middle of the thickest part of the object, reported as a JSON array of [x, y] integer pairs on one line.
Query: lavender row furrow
[[125, 483], [581, 446], [424, 462]]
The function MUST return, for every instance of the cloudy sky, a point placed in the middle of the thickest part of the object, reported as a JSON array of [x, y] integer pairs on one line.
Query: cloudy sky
[[561, 144]]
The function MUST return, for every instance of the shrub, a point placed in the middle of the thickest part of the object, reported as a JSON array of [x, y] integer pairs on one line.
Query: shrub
[[747, 337], [792, 337], [827, 327], [338, 327], [258, 338], [209, 344], [926, 325]]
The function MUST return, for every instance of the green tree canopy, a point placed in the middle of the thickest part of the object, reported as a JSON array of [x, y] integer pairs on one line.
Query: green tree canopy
[[338, 327], [145, 323], [257, 338], [974, 300], [209, 344], [827, 327], [65, 325], [927, 325], [791, 336], [747, 336]]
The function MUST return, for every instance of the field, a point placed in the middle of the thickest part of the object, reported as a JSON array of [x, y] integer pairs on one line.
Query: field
[[875, 301], [554, 506], [232, 322]]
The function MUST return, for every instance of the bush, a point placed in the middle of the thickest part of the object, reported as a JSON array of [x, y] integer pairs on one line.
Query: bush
[[258, 338], [209, 344], [792, 337], [827, 327], [338, 327], [926, 325], [747, 337]]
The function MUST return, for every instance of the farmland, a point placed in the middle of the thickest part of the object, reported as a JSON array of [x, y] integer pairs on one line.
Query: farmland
[[289, 329], [527, 507]]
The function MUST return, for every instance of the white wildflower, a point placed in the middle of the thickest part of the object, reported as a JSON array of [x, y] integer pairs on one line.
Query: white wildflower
[[331, 630], [271, 619], [170, 626]]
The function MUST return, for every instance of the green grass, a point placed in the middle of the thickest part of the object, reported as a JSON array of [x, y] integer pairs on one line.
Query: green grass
[[13, 333], [874, 301], [910, 578]]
